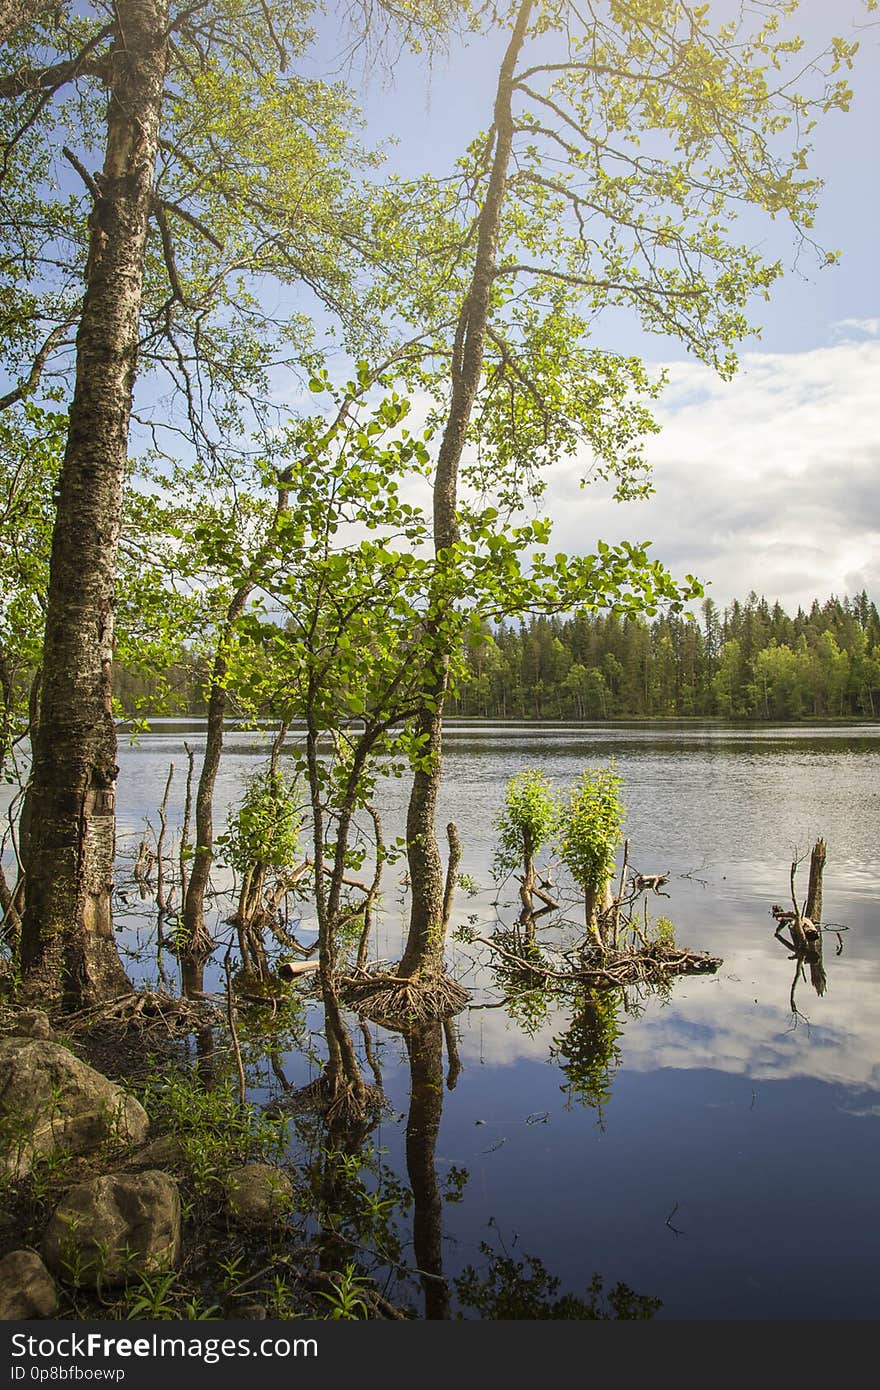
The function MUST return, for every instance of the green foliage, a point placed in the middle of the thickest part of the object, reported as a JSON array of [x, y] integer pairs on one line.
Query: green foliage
[[262, 183], [155, 1297], [591, 827], [265, 827], [640, 134], [527, 1008], [663, 932], [212, 1128], [752, 660], [346, 1295], [524, 1289], [526, 821]]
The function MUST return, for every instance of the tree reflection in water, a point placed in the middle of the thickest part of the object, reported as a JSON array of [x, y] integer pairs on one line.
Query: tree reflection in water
[[360, 1202], [424, 1046], [588, 1053]]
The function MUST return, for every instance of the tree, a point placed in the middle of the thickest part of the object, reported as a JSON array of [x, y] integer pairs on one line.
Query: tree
[[782, 677], [525, 824], [591, 828], [67, 932], [343, 644], [561, 212], [169, 272], [728, 680]]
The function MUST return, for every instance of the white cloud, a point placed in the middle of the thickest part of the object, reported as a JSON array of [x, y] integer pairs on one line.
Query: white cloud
[[768, 482], [849, 329], [717, 1022]]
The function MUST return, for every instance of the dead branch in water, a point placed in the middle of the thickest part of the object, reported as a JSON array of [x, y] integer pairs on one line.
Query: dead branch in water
[[804, 926], [161, 901], [654, 962]]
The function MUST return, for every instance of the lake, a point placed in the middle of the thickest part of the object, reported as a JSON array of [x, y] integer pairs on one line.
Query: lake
[[725, 1159]]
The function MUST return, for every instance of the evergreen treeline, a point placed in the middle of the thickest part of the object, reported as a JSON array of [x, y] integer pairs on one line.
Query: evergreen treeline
[[751, 661]]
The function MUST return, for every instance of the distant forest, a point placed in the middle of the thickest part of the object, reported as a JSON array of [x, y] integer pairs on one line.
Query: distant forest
[[748, 661]]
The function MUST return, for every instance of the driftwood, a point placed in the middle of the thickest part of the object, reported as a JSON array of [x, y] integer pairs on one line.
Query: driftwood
[[143, 866], [803, 921], [292, 969], [643, 883], [814, 892]]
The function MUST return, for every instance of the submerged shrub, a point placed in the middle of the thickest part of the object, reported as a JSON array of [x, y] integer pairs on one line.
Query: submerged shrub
[[266, 826], [526, 821], [591, 827]]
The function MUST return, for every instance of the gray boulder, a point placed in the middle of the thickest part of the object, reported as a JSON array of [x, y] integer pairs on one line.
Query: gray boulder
[[27, 1289], [51, 1102], [33, 1023], [111, 1228], [258, 1194], [164, 1152]]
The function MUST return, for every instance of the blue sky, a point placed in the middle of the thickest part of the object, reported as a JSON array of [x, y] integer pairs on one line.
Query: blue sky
[[768, 482]]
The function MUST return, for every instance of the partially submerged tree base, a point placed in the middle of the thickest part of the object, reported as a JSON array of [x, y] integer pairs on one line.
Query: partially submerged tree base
[[137, 1010], [336, 1099], [403, 1000], [120, 1037]]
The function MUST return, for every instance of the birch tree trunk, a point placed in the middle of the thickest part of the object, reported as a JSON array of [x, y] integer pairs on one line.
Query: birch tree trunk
[[68, 946]]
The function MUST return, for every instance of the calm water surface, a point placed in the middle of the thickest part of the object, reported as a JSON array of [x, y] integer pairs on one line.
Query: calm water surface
[[731, 1169]]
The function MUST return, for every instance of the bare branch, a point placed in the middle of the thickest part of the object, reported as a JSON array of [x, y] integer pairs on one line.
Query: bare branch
[[83, 172], [29, 384], [191, 220], [19, 84], [168, 254]]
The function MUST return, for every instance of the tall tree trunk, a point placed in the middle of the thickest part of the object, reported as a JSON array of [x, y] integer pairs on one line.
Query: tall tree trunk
[[423, 953], [67, 934], [424, 944]]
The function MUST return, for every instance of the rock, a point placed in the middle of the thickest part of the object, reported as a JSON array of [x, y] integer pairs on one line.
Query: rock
[[27, 1289], [51, 1102], [258, 1194], [164, 1152], [113, 1227], [33, 1023]]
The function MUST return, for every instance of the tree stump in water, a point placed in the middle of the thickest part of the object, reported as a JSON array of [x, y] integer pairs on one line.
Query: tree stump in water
[[814, 893]]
